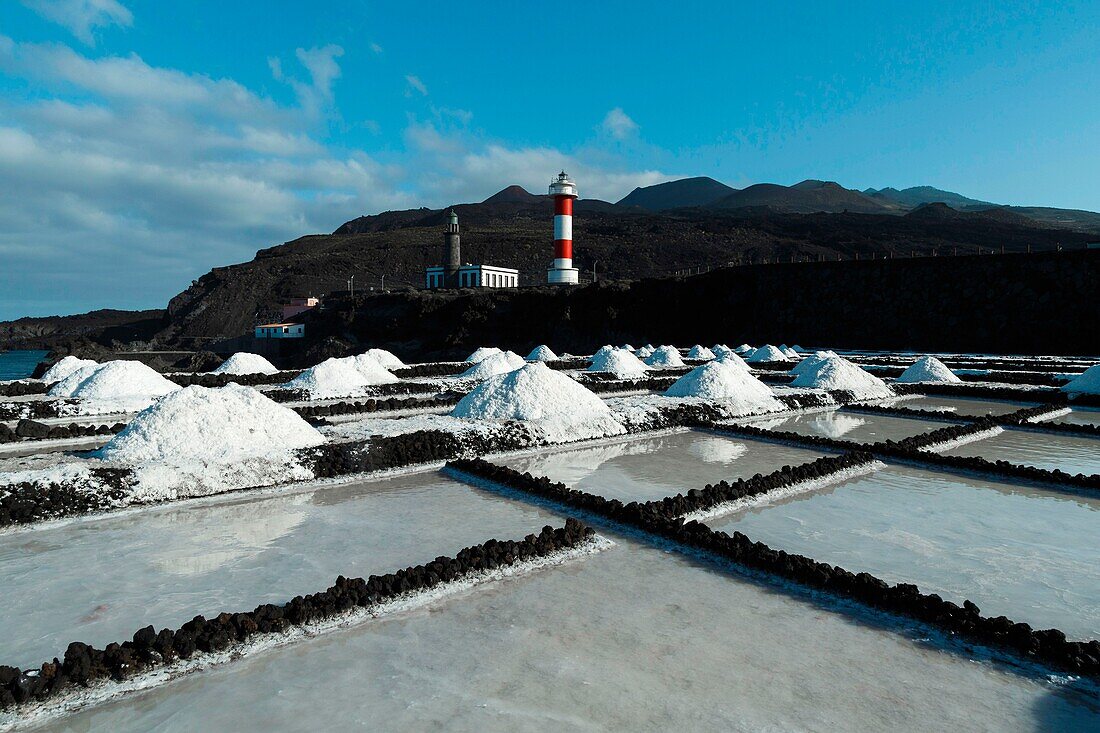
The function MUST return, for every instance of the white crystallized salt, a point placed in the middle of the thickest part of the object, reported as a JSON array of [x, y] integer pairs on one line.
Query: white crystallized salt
[[494, 364], [766, 353], [730, 357], [701, 352], [245, 363], [622, 364], [336, 378], [482, 352], [66, 366], [386, 358], [1088, 382], [665, 357], [731, 385], [835, 373], [542, 353], [115, 385], [927, 369], [213, 425], [550, 401]]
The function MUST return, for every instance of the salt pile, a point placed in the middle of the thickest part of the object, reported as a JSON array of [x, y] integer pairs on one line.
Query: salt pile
[[743, 349], [627, 347], [701, 352], [665, 357], [1088, 382], [789, 352], [719, 349], [115, 385], [622, 364], [928, 369], [329, 379], [371, 369], [730, 357], [218, 425], [542, 353], [66, 366], [766, 353], [811, 361], [643, 352], [494, 364], [835, 373], [603, 351], [482, 353], [550, 401], [244, 363], [386, 358], [722, 382]]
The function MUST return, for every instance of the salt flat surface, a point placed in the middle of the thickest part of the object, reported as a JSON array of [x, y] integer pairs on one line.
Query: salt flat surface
[[854, 426], [644, 469], [1025, 553], [100, 580], [961, 405], [631, 639], [1077, 416], [1070, 453]]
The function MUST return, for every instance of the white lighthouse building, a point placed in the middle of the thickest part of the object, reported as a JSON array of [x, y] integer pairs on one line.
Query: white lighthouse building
[[562, 272]]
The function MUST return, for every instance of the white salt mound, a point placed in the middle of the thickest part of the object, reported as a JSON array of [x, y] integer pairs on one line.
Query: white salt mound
[[542, 353], [928, 369], [701, 352], [627, 347], [66, 366], [719, 349], [789, 352], [766, 353], [719, 381], [743, 349], [603, 351], [331, 378], [371, 369], [835, 373], [494, 364], [244, 363], [730, 357], [622, 364], [219, 425], [552, 402], [482, 353], [386, 358], [809, 362], [665, 356], [126, 384], [643, 352], [1088, 382]]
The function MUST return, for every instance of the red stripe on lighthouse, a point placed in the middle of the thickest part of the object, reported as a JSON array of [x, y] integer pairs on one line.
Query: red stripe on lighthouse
[[563, 248], [563, 205]]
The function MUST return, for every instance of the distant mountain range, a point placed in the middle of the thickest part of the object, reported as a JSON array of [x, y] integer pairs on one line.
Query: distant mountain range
[[813, 196]]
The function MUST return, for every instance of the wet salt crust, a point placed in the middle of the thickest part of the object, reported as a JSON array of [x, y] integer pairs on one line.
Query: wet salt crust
[[1015, 551], [648, 469], [579, 647], [100, 580], [854, 426]]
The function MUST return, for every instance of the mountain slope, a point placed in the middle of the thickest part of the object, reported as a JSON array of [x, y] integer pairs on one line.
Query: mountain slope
[[917, 195], [683, 193], [807, 197]]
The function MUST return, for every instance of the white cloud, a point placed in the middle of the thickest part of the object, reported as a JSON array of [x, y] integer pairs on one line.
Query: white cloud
[[375, 47], [82, 17], [415, 85], [619, 125]]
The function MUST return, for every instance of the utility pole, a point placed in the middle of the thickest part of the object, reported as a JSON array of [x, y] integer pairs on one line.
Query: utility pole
[[383, 282], [595, 277], [351, 286]]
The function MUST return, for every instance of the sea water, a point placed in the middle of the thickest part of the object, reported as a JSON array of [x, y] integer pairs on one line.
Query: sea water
[[19, 364]]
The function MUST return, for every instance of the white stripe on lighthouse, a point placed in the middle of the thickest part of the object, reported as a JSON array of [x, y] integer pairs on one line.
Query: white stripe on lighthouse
[[563, 227]]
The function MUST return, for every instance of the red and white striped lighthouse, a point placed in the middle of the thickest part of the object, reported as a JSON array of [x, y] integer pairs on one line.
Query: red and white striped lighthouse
[[562, 272]]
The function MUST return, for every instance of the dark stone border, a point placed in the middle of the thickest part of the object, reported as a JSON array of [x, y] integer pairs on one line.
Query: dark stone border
[[1049, 646], [34, 409], [431, 369], [28, 502], [24, 388], [385, 404], [149, 649], [29, 431], [206, 379]]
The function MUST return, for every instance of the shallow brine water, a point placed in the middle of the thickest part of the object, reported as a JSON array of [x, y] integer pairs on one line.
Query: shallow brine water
[[961, 405], [854, 426], [630, 639], [1078, 416], [101, 580], [646, 469], [1025, 553], [1070, 453]]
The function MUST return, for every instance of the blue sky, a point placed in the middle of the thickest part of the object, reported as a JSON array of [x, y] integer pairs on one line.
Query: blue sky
[[143, 142]]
